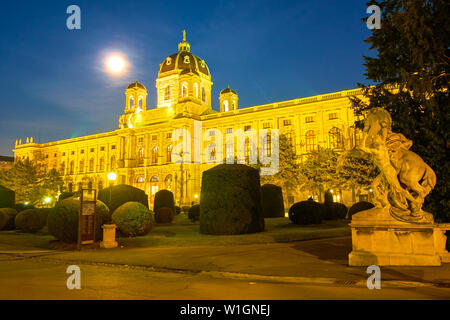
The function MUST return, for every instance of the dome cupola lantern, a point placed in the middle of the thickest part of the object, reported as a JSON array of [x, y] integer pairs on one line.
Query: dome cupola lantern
[[184, 45]]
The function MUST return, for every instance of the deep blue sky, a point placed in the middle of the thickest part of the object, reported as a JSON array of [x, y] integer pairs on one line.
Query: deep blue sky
[[52, 85]]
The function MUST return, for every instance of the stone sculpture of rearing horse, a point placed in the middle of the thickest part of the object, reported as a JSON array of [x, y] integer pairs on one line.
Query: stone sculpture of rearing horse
[[405, 179]]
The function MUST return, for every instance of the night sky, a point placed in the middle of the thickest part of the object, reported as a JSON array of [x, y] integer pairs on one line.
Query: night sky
[[53, 86]]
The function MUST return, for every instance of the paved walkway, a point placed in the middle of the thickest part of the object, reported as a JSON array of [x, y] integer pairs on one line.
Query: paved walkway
[[314, 261]]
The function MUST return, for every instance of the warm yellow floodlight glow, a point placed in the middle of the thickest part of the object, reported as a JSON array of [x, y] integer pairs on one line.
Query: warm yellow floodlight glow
[[112, 176], [196, 196], [47, 200]]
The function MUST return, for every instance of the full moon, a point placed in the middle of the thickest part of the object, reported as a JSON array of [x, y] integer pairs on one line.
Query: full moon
[[116, 64]]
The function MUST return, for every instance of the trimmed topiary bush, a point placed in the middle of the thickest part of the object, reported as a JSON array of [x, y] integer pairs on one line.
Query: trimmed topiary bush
[[133, 219], [272, 201], [177, 210], [62, 222], [333, 210], [230, 201], [10, 215], [359, 206], [3, 219], [185, 209], [121, 194], [306, 212], [65, 195], [31, 220], [164, 215], [194, 213], [22, 206], [7, 198], [164, 199]]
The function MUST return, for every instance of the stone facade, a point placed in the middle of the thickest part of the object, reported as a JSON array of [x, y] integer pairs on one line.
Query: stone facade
[[139, 151]]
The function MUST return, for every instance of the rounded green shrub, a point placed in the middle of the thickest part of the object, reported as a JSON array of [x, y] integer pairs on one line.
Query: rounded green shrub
[[3, 219], [185, 209], [62, 222], [9, 215], [164, 215], [306, 212], [22, 206], [359, 206], [121, 194], [194, 213], [65, 195], [164, 199], [31, 220], [272, 201], [230, 201], [7, 198], [133, 219]]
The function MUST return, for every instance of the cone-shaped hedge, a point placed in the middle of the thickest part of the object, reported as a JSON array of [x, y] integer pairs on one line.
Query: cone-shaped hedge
[[7, 198], [62, 222], [133, 219], [164, 199], [8, 216], [121, 194], [272, 201], [31, 220], [230, 201]]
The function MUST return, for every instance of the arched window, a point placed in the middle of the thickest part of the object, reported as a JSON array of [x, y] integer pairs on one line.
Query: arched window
[[310, 139], [140, 102], [141, 156], [81, 169], [153, 187], [131, 105], [72, 167], [167, 94], [140, 183], [100, 185], [184, 90], [63, 167], [196, 90], [102, 164], [203, 95], [91, 165], [113, 163], [169, 153], [225, 106], [335, 138], [80, 186], [90, 185], [155, 155], [168, 182], [70, 187]]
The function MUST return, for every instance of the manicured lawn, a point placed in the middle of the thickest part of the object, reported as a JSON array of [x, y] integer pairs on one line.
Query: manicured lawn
[[183, 232]]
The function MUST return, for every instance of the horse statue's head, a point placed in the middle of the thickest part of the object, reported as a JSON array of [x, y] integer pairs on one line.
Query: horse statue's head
[[376, 126]]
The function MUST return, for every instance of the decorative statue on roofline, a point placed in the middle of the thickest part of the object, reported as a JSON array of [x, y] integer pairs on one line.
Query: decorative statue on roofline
[[405, 179]]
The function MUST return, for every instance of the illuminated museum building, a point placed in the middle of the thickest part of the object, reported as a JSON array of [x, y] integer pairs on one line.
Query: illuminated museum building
[[139, 151]]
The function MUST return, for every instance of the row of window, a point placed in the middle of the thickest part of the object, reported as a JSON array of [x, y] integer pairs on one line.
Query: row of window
[[91, 164], [185, 92]]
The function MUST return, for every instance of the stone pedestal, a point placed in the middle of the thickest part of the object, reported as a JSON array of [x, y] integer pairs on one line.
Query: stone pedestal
[[379, 239], [109, 236]]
